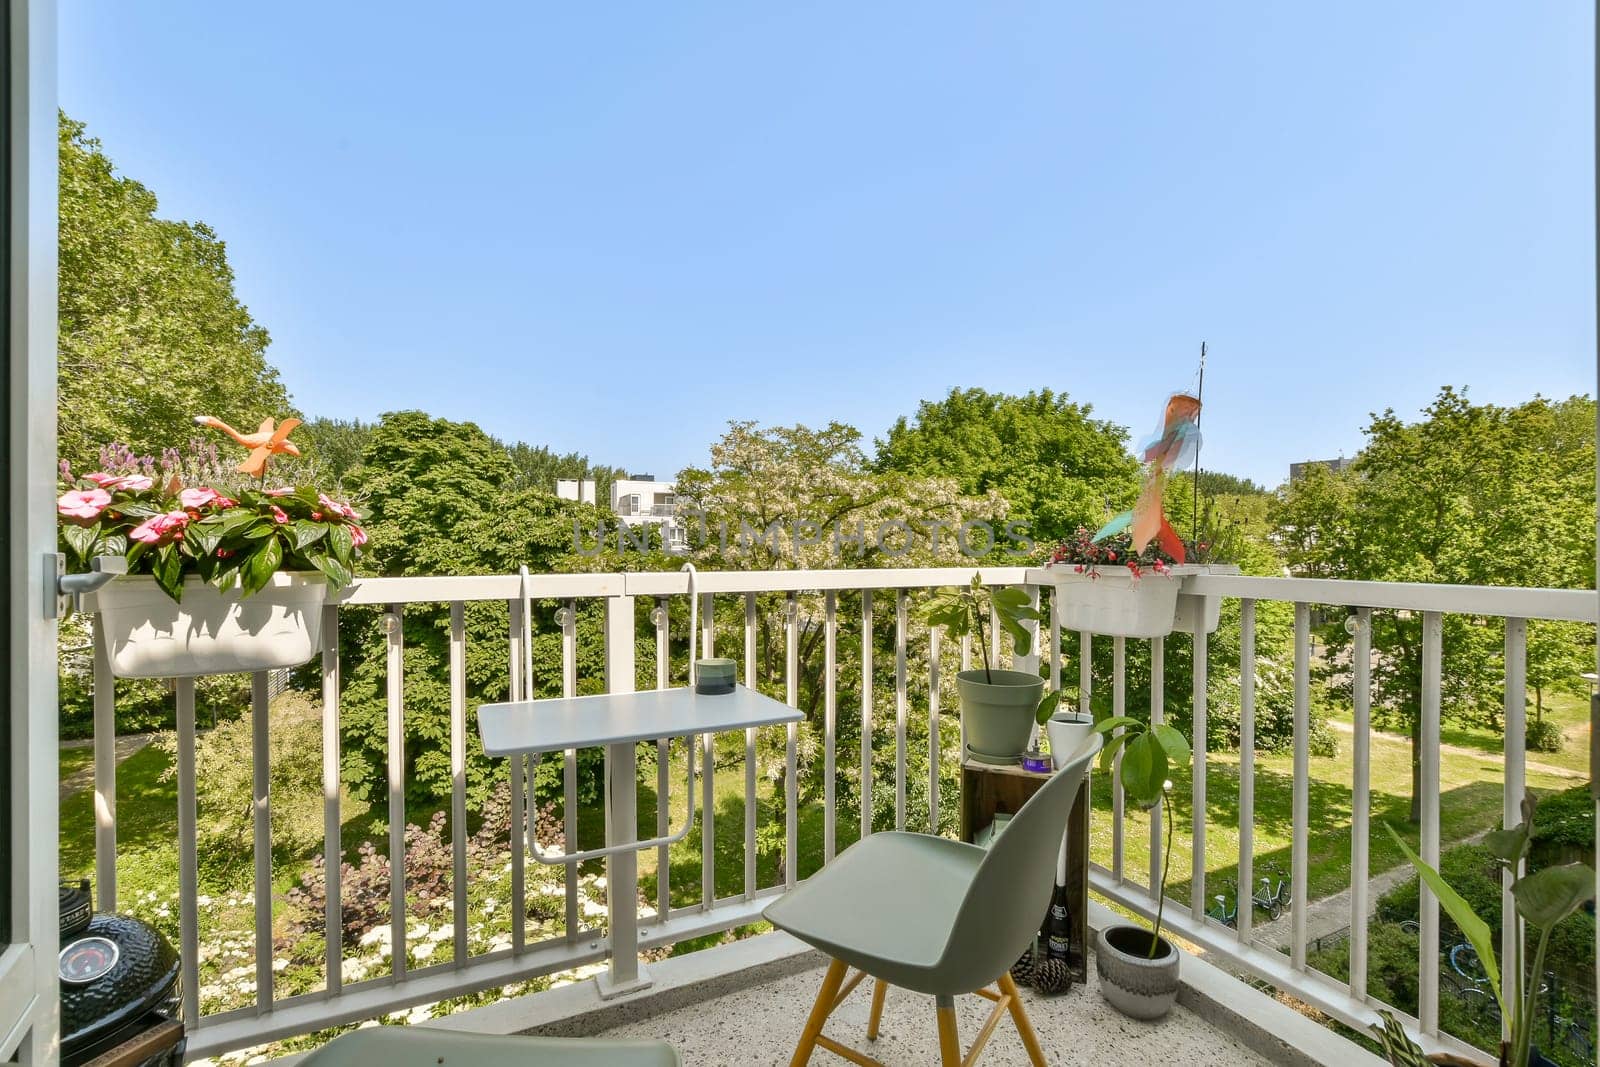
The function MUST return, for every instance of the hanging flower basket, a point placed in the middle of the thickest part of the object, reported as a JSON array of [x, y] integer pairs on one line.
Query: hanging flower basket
[[224, 574], [1112, 602], [150, 635]]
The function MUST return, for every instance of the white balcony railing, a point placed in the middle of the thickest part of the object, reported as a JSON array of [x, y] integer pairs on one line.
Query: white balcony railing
[[630, 930]]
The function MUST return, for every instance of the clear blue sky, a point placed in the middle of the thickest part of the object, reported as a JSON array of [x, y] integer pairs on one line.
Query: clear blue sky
[[612, 228]]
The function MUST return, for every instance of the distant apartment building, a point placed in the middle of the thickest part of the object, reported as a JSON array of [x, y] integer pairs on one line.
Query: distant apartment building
[[635, 500], [1298, 470]]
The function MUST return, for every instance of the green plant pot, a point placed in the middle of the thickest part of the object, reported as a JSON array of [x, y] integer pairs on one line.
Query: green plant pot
[[997, 712]]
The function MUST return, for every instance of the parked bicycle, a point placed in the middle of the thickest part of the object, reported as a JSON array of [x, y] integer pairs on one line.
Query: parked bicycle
[[1273, 893], [1220, 911]]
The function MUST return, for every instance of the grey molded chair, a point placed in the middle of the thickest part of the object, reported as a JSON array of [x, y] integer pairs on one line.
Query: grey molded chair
[[934, 916], [421, 1046]]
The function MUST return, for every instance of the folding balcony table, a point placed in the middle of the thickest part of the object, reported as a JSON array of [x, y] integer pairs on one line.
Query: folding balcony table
[[616, 722]]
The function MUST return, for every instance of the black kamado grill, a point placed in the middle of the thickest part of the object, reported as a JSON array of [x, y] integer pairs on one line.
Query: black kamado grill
[[119, 988]]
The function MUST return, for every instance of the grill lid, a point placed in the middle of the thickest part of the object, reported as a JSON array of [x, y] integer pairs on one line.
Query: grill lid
[[115, 972]]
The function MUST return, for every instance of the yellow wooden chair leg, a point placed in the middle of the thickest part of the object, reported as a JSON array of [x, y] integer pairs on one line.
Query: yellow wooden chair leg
[[949, 1039], [879, 988], [1030, 1040], [820, 1010]]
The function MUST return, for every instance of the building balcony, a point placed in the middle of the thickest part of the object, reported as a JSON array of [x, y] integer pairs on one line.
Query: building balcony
[[1255, 990]]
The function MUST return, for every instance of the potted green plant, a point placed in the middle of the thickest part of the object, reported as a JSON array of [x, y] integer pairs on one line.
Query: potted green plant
[[1543, 898], [1138, 968], [222, 573], [997, 706]]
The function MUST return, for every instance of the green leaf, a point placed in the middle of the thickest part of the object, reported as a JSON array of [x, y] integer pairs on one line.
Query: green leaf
[[1473, 928], [342, 545], [114, 545], [1047, 706], [237, 518], [1144, 769], [1508, 846], [1113, 746], [307, 533], [80, 539], [261, 566], [337, 573], [202, 537], [1020, 637], [1546, 897], [953, 617], [1172, 742], [168, 571], [1111, 722]]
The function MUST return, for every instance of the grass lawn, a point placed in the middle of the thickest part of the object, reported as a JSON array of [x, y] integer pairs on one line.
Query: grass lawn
[[75, 759], [1568, 711]]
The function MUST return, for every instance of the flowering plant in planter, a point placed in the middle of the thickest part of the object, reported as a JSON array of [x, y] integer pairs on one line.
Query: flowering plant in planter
[[1086, 555], [179, 515]]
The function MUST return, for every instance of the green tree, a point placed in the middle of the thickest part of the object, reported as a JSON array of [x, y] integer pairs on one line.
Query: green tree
[[151, 331], [442, 498], [1058, 467], [1470, 494], [332, 447], [540, 468]]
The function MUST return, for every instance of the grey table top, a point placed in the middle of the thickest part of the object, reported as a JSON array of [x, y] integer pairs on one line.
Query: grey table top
[[522, 726]]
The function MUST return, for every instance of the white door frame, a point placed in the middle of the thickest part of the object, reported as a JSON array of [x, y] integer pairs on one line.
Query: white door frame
[[29, 1006]]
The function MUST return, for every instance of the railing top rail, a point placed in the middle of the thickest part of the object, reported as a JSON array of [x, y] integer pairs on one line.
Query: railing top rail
[[1572, 605], [662, 583]]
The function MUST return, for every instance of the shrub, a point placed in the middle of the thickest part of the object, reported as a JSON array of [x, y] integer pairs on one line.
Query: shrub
[[224, 785], [1545, 736], [1565, 821]]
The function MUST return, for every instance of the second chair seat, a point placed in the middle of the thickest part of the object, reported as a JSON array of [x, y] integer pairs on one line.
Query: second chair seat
[[921, 880]]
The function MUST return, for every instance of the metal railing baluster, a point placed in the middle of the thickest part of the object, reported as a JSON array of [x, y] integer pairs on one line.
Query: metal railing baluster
[[1245, 890], [105, 774], [261, 813], [866, 713], [1360, 799], [332, 788], [1197, 792], [749, 752], [458, 780], [395, 735], [1300, 805], [901, 709], [1428, 954]]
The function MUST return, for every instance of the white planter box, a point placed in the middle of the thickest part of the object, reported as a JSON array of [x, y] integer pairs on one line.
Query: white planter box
[[1110, 601], [152, 636]]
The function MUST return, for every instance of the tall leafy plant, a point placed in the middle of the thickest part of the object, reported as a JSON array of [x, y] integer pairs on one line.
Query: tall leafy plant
[[961, 612], [1149, 751], [1542, 900]]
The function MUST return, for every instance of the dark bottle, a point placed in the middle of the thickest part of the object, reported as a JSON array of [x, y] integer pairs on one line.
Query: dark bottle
[[1058, 930]]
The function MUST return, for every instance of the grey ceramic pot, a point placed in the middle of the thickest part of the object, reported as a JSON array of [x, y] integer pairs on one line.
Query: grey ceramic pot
[[997, 712], [1134, 984]]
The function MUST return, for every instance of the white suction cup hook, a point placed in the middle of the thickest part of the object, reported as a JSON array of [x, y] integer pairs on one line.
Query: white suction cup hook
[[694, 622], [1352, 625]]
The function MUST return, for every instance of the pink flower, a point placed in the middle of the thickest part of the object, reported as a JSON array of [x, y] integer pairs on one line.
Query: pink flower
[[199, 497], [153, 530], [344, 511], [358, 536], [83, 503], [133, 483], [279, 515]]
